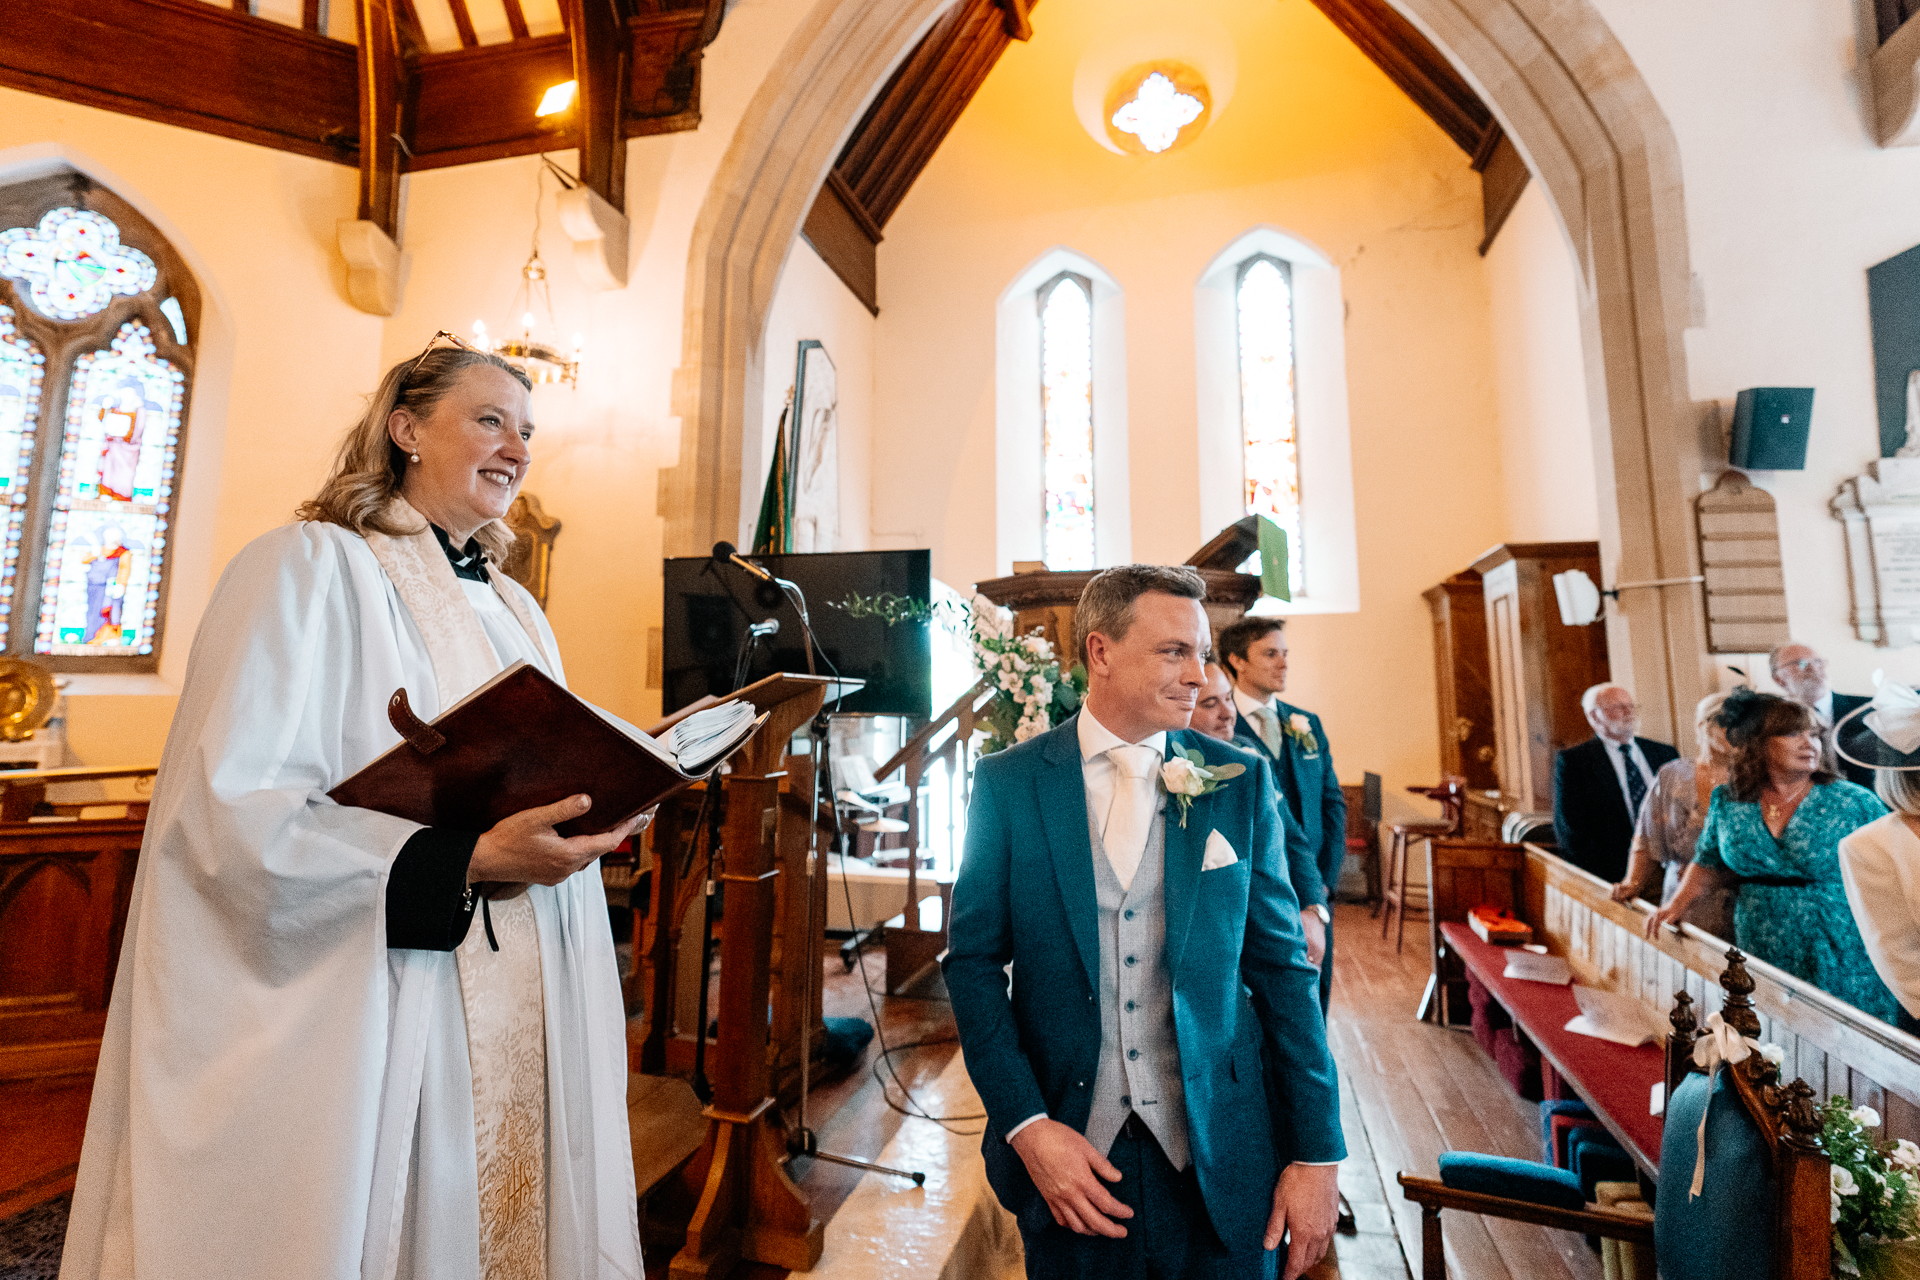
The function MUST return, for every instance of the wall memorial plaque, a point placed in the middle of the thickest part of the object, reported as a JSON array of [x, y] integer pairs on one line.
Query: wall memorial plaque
[[1880, 511]]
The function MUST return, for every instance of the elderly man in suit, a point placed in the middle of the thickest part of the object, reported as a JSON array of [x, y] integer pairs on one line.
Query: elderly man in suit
[[1600, 785], [1802, 674], [1255, 651], [1160, 1099]]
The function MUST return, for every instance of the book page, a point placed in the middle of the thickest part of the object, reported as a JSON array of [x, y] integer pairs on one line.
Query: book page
[[1538, 968]]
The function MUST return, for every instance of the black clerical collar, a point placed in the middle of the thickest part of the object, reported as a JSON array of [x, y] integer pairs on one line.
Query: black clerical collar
[[468, 562]]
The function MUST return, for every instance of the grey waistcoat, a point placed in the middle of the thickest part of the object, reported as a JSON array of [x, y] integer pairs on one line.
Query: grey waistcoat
[[1139, 1055]]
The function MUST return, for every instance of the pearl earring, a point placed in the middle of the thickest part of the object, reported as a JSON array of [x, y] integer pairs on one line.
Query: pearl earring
[[416, 457]]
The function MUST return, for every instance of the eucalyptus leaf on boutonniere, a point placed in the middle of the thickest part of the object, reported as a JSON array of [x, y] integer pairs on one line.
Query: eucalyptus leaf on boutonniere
[[1187, 776], [1300, 729]]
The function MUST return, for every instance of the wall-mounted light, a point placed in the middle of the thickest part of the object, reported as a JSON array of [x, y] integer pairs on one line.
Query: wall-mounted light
[[1579, 598], [557, 99]]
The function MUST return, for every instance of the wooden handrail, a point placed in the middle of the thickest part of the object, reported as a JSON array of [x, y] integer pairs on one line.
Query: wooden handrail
[[918, 742]]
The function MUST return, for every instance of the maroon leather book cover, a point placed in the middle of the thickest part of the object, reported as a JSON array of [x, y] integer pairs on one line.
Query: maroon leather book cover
[[518, 742]]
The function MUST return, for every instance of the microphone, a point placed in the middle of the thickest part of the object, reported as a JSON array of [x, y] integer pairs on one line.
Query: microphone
[[724, 551], [761, 630]]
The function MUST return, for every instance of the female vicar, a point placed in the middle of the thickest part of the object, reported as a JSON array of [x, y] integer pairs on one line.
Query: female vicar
[[312, 1066]]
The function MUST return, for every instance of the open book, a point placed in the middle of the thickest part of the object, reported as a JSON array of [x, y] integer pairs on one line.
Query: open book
[[520, 741]]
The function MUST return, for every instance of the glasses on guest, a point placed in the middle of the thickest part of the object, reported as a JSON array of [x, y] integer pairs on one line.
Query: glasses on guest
[[427, 350], [1804, 665]]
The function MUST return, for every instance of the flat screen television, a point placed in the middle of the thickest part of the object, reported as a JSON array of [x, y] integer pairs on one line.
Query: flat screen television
[[710, 605]]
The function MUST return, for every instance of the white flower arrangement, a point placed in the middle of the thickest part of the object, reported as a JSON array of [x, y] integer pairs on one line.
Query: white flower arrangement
[[1875, 1195], [1031, 692]]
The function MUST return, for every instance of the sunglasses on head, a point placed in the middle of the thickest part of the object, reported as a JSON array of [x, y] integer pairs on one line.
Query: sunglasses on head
[[427, 350]]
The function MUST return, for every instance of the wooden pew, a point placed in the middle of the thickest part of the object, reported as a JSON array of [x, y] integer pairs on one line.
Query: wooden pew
[[1784, 1114]]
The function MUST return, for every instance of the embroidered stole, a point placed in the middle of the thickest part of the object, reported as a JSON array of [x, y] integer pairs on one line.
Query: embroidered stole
[[500, 991]]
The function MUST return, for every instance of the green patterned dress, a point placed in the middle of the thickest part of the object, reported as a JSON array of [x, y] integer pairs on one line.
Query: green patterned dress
[[1792, 910]]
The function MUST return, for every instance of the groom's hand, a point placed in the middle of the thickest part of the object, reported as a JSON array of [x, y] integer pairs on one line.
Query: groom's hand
[[1063, 1165], [1316, 930], [1306, 1205]]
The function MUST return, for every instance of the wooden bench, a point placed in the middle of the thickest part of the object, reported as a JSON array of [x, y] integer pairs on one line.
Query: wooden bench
[[1784, 1114]]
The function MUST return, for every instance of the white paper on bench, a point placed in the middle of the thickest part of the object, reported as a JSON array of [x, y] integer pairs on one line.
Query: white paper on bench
[[1615, 1018], [1532, 968]]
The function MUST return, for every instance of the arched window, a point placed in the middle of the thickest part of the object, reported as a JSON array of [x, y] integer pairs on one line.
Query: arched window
[[1066, 417], [1269, 422], [97, 322]]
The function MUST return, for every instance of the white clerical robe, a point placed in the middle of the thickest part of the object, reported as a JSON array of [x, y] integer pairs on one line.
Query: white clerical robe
[[280, 1094]]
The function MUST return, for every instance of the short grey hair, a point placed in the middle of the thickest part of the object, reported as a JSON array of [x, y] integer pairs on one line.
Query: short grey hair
[[1898, 789], [1773, 654], [1591, 698], [1106, 605]]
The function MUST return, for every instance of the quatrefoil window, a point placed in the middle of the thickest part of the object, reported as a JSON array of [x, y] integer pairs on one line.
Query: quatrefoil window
[[73, 263]]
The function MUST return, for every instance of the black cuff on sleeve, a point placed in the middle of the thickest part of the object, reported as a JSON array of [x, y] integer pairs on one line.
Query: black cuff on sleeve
[[427, 906]]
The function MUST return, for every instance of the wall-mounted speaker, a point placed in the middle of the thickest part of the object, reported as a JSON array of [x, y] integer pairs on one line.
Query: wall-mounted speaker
[[1770, 427]]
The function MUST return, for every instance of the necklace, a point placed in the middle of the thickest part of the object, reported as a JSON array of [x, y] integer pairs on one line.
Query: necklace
[[1778, 812]]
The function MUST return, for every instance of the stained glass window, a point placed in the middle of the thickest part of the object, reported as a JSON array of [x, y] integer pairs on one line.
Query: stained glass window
[[1268, 424], [1066, 410], [73, 263], [22, 369], [101, 586]]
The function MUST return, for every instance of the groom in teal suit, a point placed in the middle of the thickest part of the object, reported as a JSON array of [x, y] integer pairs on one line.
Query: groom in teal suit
[[1160, 1099], [1255, 653]]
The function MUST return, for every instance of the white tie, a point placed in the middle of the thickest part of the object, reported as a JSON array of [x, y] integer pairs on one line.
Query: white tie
[[1136, 794]]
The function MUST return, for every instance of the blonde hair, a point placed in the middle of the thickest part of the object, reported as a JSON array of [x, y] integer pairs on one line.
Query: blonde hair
[[1898, 789], [1704, 713], [368, 470]]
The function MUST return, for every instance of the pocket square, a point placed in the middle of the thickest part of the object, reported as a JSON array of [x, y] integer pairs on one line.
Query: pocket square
[[1219, 853]]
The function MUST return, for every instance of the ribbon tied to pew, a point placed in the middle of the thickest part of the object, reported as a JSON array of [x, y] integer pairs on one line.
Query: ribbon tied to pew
[[1718, 1044]]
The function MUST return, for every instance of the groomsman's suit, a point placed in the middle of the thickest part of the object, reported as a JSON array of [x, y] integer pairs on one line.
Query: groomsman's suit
[[1312, 790], [1164, 1008]]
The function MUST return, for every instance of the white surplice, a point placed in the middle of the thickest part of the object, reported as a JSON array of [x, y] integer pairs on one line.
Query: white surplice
[[279, 1094]]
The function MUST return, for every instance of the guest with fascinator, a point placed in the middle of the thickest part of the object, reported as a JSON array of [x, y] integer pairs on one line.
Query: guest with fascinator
[[1671, 821], [1774, 830], [1881, 861]]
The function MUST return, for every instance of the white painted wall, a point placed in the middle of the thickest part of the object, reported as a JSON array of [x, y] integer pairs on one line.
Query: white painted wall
[[1789, 201], [1540, 395]]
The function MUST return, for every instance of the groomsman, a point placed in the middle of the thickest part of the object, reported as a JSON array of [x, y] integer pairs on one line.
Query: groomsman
[[1255, 652]]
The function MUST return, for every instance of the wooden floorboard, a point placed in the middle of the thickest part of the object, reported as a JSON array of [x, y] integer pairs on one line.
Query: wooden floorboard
[[1419, 1090]]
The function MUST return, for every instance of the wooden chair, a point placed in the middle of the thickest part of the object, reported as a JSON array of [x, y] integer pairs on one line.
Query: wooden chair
[[1789, 1130]]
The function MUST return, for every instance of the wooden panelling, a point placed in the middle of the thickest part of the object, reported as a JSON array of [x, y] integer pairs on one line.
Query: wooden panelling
[[64, 892], [1540, 666], [1462, 680], [191, 64], [846, 240], [1503, 176], [1421, 71], [187, 64]]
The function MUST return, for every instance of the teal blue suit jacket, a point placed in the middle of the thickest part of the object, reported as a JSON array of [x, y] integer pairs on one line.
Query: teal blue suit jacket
[[1313, 796], [1260, 1084]]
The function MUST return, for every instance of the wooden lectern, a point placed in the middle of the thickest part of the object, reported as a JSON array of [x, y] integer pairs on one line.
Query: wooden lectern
[[747, 1209]]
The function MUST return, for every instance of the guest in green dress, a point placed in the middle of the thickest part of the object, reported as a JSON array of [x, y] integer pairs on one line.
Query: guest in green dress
[[1774, 829]]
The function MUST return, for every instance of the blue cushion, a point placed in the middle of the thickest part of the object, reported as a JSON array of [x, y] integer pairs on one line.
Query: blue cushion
[[1594, 1157], [1514, 1179], [1728, 1230], [1558, 1107]]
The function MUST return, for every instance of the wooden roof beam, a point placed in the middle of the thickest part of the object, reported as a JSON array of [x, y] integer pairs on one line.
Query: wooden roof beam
[[593, 213], [371, 242]]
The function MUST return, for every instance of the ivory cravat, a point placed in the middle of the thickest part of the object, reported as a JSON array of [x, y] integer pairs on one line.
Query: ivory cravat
[[1136, 794]]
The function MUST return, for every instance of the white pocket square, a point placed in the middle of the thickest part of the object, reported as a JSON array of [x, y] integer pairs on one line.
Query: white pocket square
[[1219, 853]]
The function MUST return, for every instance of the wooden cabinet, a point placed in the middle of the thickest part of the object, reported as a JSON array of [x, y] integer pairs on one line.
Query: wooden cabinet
[[1461, 681], [1538, 666]]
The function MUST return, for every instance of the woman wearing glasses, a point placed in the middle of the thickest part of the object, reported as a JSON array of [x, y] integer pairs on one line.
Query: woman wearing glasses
[[312, 1066]]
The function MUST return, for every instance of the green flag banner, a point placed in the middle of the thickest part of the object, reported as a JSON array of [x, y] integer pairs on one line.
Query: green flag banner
[[773, 535], [1273, 560]]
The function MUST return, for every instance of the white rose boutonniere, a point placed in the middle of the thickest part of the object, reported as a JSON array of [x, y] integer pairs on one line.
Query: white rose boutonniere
[[1300, 729], [1187, 775]]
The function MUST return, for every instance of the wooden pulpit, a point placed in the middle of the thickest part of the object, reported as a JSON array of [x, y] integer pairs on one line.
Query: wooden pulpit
[[746, 1208]]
